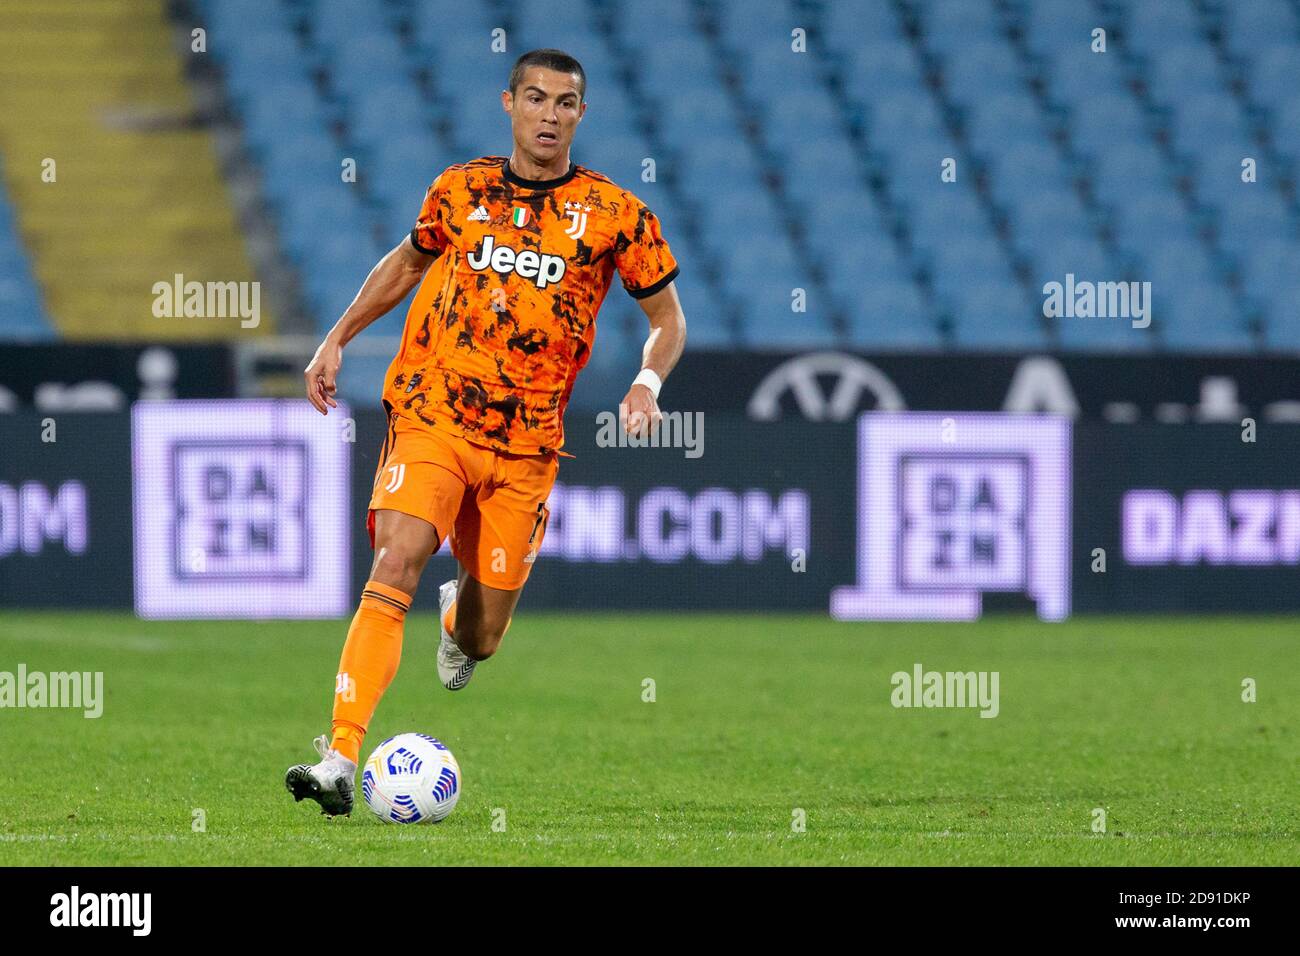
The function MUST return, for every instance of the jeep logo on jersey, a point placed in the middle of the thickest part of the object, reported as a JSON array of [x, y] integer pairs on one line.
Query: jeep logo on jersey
[[543, 269]]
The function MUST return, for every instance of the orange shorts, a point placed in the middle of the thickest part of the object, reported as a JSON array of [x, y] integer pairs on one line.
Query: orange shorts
[[491, 503]]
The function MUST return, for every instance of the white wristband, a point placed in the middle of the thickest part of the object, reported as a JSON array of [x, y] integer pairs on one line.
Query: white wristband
[[650, 380]]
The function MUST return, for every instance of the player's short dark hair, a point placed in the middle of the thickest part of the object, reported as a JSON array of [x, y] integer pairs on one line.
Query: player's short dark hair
[[549, 59]]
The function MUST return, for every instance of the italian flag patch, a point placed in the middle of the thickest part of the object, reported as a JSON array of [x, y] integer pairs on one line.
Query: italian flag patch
[[520, 217]]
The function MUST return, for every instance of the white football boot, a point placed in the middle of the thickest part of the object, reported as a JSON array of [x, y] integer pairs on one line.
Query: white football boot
[[329, 783], [454, 667]]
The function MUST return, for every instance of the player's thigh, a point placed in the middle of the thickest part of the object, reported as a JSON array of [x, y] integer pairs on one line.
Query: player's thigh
[[499, 530], [423, 475]]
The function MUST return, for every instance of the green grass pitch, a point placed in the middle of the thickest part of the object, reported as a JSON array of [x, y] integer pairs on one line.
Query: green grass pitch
[[754, 717]]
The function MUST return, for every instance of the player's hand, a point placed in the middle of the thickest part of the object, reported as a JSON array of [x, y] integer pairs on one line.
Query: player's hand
[[640, 411], [321, 376]]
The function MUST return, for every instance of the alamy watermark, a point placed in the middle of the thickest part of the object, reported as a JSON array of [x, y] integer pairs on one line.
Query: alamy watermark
[[673, 430], [179, 299], [922, 688], [1098, 300], [130, 910], [58, 689]]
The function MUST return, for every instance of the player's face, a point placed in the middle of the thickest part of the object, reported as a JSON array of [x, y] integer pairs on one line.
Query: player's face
[[544, 113]]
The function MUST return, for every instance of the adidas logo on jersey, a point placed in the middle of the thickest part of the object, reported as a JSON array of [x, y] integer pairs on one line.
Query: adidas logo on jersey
[[542, 268], [479, 215]]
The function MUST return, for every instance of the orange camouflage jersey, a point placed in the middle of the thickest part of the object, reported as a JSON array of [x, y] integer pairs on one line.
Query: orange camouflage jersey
[[505, 317]]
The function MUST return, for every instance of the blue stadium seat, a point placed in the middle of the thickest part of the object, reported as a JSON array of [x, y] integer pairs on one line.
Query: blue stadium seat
[[1001, 120], [1076, 74], [620, 158], [370, 62], [1178, 262], [810, 165], [380, 110], [770, 323], [303, 73], [771, 64], [1151, 219], [965, 263], [1128, 169], [1053, 26], [1219, 171], [706, 113], [1017, 165], [1283, 321], [1040, 220], [1269, 272], [861, 262], [670, 58], [742, 23], [22, 312], [852, 24], [1176, 72], [795, 116], [837, 223], [1152, 27], [1286, 125], [335, 25], [1273, 71], [1055, 257], [944, 213], [890, 312], [1200, 319], [884, 66], [1208, 120], [951, 25], [1251, 27], [1106, 120], [998, 315], [902, 118], [980, 67], [1253, 217]]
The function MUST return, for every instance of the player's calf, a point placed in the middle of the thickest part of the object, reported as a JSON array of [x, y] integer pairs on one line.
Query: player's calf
[[480, 639], [455, 667]]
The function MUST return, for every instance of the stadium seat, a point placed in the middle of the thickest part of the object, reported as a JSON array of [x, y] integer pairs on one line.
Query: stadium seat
[[844, 176], [998, 315]]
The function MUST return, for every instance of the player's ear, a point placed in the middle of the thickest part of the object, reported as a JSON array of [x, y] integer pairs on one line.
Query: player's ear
[[507, 101]]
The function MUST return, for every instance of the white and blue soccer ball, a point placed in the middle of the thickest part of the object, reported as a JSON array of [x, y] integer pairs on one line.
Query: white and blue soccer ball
[[411, 778]]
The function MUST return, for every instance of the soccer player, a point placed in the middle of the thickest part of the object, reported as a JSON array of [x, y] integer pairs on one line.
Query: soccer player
[[514, 257]]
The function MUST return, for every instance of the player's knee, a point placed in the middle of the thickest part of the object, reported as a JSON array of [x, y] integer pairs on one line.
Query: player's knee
[[399, 567]]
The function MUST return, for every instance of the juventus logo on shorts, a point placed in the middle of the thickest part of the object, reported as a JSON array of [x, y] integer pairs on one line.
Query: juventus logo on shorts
[[578, 213], [396, 475]]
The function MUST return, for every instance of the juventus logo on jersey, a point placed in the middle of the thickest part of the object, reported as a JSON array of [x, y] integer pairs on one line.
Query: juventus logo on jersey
[[396, 475], [578, 213]]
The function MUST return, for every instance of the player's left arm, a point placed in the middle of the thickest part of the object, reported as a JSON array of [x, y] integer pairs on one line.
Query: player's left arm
[[662, 349]]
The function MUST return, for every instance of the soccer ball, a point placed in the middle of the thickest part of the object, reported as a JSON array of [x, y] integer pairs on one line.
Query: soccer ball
[[411, 778]]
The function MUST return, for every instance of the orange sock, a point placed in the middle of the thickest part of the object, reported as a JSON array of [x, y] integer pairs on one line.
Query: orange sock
[[370, 658]]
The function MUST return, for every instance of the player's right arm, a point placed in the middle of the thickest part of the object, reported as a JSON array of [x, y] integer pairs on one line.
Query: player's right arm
[[388, 284], [395, 275]]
